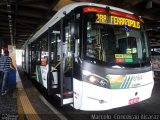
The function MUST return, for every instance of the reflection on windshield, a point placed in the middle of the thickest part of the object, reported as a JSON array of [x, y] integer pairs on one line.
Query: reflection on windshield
[[115, 44]]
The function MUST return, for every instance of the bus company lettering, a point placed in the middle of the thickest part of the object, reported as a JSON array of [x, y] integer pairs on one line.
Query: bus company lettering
[[124, 21], [136, 80], [137, 77]]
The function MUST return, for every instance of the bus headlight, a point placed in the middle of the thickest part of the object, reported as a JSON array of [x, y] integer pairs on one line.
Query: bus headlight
[[102, 82], [96, 80], [92, 79]]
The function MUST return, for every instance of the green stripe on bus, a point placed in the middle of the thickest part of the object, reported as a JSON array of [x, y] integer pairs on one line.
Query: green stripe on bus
[[115, 85], [128, 81], [131, 78], [124, 82]]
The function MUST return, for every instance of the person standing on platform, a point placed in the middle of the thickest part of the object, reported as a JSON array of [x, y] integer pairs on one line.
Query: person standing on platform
[[5, 67]]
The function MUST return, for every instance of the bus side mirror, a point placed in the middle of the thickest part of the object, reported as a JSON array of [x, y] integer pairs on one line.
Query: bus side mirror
[[74, 26]]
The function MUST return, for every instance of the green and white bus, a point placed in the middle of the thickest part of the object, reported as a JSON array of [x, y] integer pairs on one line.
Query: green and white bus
[[94, 57]]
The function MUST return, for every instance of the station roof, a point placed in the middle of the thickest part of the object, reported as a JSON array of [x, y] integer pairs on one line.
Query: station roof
[[20, 19]]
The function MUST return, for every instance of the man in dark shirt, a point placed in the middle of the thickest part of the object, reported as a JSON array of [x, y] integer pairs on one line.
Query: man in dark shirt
[[5, 67]]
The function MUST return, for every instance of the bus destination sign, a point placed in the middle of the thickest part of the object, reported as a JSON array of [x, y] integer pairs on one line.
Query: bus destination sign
[[113, 17]]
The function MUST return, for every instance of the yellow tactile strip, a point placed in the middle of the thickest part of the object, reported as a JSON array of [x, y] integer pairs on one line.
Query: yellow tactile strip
[[21, 115], [28, 109]]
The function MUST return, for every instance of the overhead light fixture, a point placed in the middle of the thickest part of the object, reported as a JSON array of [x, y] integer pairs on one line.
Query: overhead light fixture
[[8, 5], [9, 16]]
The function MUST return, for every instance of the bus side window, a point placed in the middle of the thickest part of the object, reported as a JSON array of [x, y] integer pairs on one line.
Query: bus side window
[[38, 49], [55, 50]]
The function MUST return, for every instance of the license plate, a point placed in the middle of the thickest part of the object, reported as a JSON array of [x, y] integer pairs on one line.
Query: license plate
[[133, 100]]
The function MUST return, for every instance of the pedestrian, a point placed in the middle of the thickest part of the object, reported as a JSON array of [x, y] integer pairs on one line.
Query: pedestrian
[[5, 66]]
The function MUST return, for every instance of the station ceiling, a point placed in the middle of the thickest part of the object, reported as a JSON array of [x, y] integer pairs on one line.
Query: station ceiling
[[20, 19]]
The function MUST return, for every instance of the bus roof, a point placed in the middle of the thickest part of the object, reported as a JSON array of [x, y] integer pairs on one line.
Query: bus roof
[[67, 9]]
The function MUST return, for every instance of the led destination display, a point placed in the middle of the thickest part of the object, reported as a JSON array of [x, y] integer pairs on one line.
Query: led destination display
[[124, 21], [101, 18], [113, 17]]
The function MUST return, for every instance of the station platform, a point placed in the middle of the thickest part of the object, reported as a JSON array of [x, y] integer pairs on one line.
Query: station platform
[[25, 102]]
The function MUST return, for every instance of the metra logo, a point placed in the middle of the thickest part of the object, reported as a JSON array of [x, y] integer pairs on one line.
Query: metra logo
[[137, 77]]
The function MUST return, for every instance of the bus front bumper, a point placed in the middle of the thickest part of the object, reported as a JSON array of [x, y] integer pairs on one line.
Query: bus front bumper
[[96, 98]]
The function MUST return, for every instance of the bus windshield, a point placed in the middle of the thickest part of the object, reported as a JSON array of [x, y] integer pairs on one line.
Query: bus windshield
[[117, 44]]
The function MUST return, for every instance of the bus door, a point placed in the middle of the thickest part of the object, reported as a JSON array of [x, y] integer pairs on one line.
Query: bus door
[[34, 58], [54, 62], [66, 73]]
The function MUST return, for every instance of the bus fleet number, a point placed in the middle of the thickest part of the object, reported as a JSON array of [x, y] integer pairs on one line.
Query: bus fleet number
[[101, 18]]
